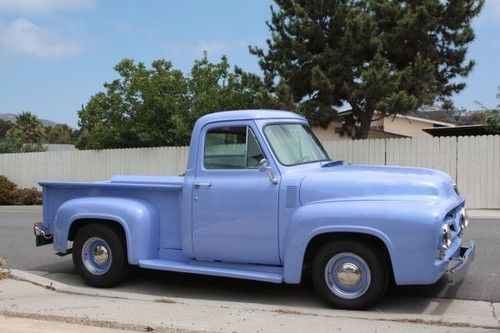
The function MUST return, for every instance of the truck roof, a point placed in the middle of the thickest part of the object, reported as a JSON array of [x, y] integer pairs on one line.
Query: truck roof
[[249, 115]]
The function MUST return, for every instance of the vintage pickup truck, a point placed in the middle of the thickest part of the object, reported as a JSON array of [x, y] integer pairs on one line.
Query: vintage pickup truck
[[261, 200]]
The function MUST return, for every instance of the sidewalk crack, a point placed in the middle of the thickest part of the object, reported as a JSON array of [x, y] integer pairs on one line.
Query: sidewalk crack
[[494, 312]]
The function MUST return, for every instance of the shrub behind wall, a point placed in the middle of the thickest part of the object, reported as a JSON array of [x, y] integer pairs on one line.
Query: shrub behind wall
[[10, 194], [7, 189]]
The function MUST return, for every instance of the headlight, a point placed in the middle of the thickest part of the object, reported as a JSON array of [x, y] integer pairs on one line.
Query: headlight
[[445, 242], [464, 219], [446, 234]]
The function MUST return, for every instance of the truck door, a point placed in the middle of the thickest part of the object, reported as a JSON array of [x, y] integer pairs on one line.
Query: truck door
[[235, 206]]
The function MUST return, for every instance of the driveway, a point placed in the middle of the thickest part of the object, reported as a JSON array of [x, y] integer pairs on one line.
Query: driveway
[[17, 246]]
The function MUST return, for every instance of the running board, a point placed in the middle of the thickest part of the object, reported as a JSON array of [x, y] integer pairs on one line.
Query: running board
[[273, 274]]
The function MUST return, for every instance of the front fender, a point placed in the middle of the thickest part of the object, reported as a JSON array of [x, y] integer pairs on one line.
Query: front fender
[[406, 228], [138, 218]]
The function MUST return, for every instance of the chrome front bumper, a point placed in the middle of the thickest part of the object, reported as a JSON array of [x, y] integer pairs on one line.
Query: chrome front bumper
[[458, 266], [41, 236]]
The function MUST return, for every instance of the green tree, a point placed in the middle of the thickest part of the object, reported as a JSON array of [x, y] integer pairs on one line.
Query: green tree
[[27, 128], [492, 121], [157, 106], [5, 125], [60, 134], [214, 87], [491, 118], [24, 136], [10, 145], [387, 55]]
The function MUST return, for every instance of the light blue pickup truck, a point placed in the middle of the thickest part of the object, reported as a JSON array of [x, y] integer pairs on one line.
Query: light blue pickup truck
[[261, 200]]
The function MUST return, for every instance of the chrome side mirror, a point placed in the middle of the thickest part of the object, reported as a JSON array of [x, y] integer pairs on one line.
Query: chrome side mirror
[[264, 166]]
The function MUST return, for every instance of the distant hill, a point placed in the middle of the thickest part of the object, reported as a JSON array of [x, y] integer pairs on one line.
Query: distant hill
[[12, 117]]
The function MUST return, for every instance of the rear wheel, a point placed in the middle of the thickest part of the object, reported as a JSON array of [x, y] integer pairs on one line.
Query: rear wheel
[[350, 274], [100, 256]]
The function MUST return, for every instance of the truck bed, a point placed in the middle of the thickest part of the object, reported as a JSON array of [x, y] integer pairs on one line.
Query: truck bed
[[162, 192]]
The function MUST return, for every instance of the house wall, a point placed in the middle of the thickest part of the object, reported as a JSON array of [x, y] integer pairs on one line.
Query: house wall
[[407, 127], [330, 133]]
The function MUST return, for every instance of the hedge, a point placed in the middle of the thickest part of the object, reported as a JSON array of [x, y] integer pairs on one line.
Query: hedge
[[10, 194]]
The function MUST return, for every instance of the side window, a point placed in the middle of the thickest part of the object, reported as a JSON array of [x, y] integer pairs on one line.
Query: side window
[[231, 148]]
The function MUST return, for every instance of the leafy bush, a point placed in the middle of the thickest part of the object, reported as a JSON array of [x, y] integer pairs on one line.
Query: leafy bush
[[492, 121], [15, 145], [7, 189], [27, 196], [10, 194]]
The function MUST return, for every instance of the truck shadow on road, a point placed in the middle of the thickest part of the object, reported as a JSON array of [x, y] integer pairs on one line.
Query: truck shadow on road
[[179, 285]]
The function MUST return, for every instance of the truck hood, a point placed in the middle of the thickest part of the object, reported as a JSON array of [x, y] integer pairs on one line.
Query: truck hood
[[356, 182]]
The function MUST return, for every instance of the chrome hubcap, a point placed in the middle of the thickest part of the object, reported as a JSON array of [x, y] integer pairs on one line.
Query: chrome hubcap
[[101, 255], [347, 275], [96, 256]]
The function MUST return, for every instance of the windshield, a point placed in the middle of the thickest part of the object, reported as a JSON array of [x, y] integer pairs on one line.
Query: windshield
[[294, 144]]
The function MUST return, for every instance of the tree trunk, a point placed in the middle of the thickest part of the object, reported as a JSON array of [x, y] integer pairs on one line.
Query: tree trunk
[[365, 118]]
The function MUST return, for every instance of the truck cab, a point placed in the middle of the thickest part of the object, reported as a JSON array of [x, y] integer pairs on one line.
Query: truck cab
[[262, 200]]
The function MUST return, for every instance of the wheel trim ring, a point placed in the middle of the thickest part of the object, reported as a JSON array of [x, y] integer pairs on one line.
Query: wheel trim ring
[[336, 286], [89, 259]]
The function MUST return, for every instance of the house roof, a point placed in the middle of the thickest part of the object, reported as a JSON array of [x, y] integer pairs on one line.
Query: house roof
[[425, 120], [464, 130]]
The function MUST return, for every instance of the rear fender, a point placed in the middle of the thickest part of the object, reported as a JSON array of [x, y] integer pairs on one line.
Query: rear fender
[[138, 218]]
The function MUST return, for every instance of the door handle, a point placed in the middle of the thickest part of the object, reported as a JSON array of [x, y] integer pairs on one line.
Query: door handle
[[198, 185]]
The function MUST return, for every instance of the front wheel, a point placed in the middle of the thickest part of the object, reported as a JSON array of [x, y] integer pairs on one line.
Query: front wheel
[[350, 274], [99, 255]]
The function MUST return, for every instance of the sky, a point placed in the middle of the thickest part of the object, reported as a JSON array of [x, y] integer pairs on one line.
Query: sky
[[55, 54]]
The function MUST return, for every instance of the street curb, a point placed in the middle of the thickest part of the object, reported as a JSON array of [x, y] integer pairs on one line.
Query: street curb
[[456, 313], [84, 291]]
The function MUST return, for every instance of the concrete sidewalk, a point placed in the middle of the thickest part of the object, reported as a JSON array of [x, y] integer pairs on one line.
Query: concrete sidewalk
[[20, 324], [21, 302]]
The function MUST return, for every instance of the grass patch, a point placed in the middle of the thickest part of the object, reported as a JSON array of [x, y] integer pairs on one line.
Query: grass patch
[[287, 312], [165, 301], [437, 323], [4, 272]]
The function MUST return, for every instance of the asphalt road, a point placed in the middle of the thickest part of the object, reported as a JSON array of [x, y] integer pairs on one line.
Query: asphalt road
[[17, 246]]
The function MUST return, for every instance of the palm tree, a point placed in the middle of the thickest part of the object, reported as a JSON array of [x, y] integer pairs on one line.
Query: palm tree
[[28, 128], [5, 126]]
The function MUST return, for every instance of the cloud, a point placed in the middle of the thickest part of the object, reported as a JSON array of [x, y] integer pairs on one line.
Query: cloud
[[43, 6], [24, 37]]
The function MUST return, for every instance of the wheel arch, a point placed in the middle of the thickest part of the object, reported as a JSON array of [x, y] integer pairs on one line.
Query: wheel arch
[[83, 222], [299, 251], [116, 226], [129, 217], [319, 240]]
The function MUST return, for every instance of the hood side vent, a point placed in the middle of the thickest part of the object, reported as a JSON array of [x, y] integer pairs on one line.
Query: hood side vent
[[292, 196]]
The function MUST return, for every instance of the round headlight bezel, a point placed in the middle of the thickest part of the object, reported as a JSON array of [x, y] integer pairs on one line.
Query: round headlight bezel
[[446, 236], [464, 218]]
